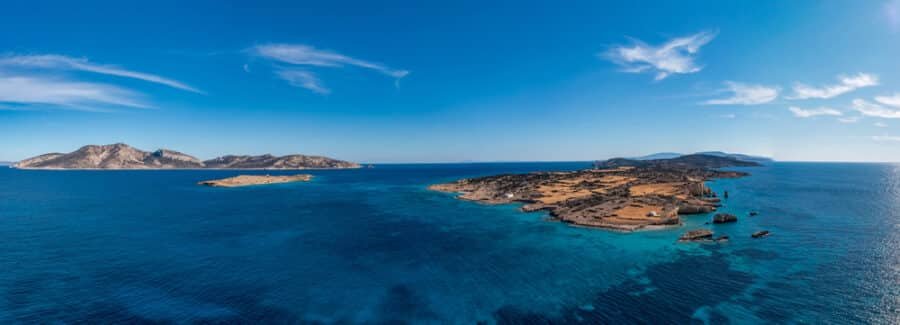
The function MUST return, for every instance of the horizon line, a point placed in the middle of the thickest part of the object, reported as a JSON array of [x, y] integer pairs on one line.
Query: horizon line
[[561, 161]]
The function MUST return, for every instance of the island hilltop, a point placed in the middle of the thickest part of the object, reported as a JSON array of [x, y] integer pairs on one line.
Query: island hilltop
[[123, 156], [620, 194]]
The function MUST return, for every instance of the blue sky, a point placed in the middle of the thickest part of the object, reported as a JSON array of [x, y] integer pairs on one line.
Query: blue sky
[[409, 81]]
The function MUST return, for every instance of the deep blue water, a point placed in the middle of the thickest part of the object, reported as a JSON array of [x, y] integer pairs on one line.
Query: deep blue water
[[373, 245]]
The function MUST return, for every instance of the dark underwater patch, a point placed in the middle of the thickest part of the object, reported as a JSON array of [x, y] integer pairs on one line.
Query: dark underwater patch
[[682, 286], [757, 254], [401, 304]]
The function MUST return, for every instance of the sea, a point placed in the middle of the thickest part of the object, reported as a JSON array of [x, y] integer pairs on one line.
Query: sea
[[375, 246]]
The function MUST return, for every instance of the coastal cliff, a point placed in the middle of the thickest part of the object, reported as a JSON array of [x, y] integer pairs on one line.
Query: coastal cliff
[[619, 194], [123, 156]]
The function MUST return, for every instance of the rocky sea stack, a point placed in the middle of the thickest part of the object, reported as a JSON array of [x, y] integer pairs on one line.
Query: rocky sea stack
[[697, 235], [760, 234], [123, 156], [724, 218]]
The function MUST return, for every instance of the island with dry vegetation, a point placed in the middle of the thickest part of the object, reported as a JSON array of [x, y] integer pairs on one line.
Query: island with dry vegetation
[[121, 156], [619, 194], [248, 180]]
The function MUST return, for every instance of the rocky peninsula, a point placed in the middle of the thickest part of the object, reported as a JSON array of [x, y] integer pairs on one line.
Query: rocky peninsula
[[619, 194], [123, 156], [248, 180]]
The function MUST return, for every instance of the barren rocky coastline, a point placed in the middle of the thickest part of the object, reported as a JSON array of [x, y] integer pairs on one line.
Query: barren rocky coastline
[[123, 156], [619, 194]]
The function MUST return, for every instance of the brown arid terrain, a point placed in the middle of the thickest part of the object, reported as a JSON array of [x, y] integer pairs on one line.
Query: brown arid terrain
[[123, 156], [248, 180], [618, 194]]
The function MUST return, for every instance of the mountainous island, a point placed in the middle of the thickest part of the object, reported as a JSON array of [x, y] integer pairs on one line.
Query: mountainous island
[[619, 193], [123, 156], [737, 156]]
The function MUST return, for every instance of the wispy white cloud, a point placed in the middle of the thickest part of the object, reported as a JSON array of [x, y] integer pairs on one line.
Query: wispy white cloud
[[813, 112], [846, 84], [893, 100], [746, 94], [65, 93], [60, 62], [880, 124], [300, 55], [303, 79], [886, 138], [875, 110], [891, 11], [728, 116], [849, 119], [675, 56]]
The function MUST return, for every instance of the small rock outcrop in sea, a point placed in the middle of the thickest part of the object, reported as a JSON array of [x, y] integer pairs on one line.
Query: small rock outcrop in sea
[[622, 195], [123, 156], [760, 234], [695, 209], [697, 235], [724, 218], [753, 213]]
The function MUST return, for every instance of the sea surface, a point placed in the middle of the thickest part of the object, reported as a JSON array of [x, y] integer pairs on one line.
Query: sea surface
[[375, 246]]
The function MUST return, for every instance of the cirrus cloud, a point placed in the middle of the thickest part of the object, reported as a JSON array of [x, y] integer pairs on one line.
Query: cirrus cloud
[[892, 14], [846, 84], [300, 58], [299, 54], [70, 94], [886, 138], [813, 112], [675, 56], [303, 79], [61, 62], [849, 119], [871, 109], [28, 81], [746, 94], [893, 100]]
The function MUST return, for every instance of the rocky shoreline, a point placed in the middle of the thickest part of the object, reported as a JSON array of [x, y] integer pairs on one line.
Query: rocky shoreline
[[624, 195]]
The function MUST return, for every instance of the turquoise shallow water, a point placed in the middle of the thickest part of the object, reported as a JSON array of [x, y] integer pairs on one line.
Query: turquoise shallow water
[[374, 246]]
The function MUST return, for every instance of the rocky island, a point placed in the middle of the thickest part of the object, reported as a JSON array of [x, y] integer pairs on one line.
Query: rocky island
[[620, 194], [123, 156], [248, 180]]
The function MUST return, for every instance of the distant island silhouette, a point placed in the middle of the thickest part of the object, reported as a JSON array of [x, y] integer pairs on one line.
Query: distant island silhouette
[[123, 156]]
